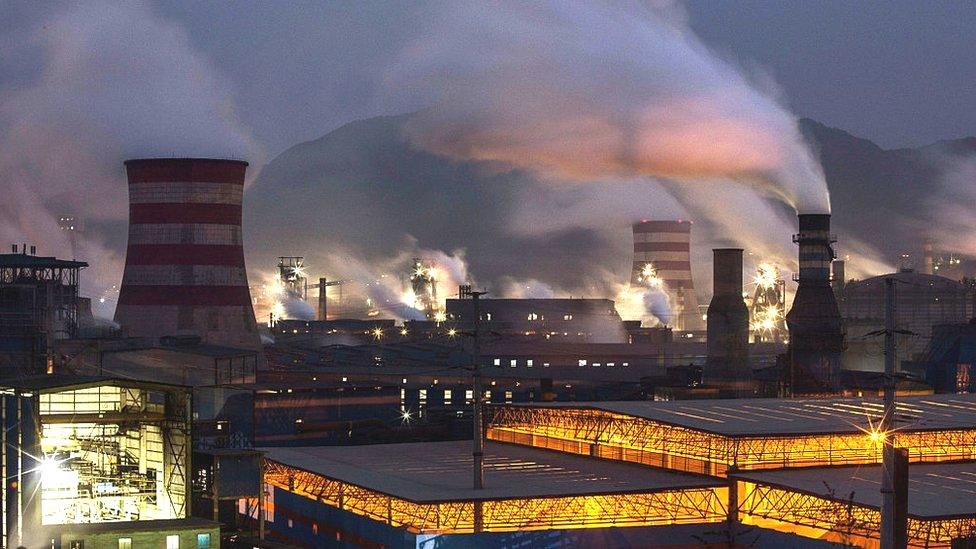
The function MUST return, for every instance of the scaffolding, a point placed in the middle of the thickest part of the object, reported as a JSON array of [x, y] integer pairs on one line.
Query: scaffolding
[[610, 435], [664, 507], [838, 519]]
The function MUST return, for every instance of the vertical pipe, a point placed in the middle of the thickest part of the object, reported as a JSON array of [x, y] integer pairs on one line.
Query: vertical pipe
[[888, 451], [323, 298]]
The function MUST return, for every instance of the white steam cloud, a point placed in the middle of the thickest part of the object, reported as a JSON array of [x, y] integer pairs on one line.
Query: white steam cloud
[[596, 91], [112, 81]]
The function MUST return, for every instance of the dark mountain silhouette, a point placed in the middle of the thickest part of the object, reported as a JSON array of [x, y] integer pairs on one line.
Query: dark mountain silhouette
[[889, 198], [362, 188]]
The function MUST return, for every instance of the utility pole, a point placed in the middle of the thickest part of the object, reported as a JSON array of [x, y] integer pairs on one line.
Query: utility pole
[[887, 421], [479, 444]]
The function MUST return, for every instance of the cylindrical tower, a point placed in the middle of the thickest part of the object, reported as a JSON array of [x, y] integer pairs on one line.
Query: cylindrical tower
[[928, 258], [728, 321], [664, 248], [184, 266], [816, 331]]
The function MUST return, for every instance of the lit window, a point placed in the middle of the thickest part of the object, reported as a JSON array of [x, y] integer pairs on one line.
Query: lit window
[[203, 541], [508, 395], [488, 316], [422, 394], [125, 543], [469, 395], [343, 379], [498, 362], [596, 364], [567, 317], [545, 364], [512, 363], [173, 542], [488, 396], [533, 316], [582, 362], [611, 364], [626, 364], [447, 395], [529, 362]]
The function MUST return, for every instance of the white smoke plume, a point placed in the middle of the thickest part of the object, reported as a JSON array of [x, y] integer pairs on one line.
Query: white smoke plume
[[385, 283], [112, 81], [590, 91]]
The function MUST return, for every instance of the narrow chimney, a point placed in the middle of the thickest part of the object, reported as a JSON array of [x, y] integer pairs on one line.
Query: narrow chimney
[[839, 277], [728, 323], [928, 261], [323, 299]]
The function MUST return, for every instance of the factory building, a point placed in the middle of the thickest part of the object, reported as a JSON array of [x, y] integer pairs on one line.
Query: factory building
[[662, 252], [184, 267], [594, 320], [39, 305], [780, 473], [97, 462], [922, 301], [949, 364]]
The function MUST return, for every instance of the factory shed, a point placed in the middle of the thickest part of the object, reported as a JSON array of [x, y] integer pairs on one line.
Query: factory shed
[[711, 436], [425, 488], [843, 504]]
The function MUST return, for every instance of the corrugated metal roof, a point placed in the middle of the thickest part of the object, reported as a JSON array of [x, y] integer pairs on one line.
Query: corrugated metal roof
[[935, 490], [441, 471], [785, 417]]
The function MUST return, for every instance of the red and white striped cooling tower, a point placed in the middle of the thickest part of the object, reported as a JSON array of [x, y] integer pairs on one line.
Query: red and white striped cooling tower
[[666, 245], [184, 266]]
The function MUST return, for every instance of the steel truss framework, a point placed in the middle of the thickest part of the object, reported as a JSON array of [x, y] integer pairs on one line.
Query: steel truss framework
[[676, 506], [838, 520], [628, 438]]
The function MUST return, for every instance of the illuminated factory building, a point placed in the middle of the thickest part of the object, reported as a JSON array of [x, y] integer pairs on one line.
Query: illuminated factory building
[[98, 462], [642, 473]]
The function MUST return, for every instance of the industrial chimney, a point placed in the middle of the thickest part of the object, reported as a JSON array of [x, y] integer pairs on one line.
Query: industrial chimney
[[928, 259], [816, 332], [728, 323], [664, 248], [184, 266]]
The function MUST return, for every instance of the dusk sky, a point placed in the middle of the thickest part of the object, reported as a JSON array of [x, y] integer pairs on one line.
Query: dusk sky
[[638, 87]]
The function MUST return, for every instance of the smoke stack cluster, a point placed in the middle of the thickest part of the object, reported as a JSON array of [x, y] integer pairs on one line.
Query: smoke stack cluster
[[184, 266], [816, 332], [728, 322], [665, 245]]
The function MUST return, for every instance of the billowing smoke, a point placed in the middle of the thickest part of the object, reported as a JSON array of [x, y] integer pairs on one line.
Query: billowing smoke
[[382, 287], [598, 91], [107, 81]]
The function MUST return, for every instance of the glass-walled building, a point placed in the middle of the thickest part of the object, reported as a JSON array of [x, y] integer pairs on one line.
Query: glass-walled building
[[98, 451]]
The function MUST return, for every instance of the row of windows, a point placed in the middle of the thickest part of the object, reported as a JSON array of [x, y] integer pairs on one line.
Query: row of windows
[[531, 362], [172, 542], [449, 395]]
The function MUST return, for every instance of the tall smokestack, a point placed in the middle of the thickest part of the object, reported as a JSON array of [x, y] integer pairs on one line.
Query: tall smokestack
[[928, 261], [184, 265], [728, 322], [816, 332], [323, 299], [838, 277], [665, 245]]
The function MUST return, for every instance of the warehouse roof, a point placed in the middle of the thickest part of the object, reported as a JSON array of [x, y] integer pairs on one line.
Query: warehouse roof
[[442, 471], [785, 417], [935, 490]]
